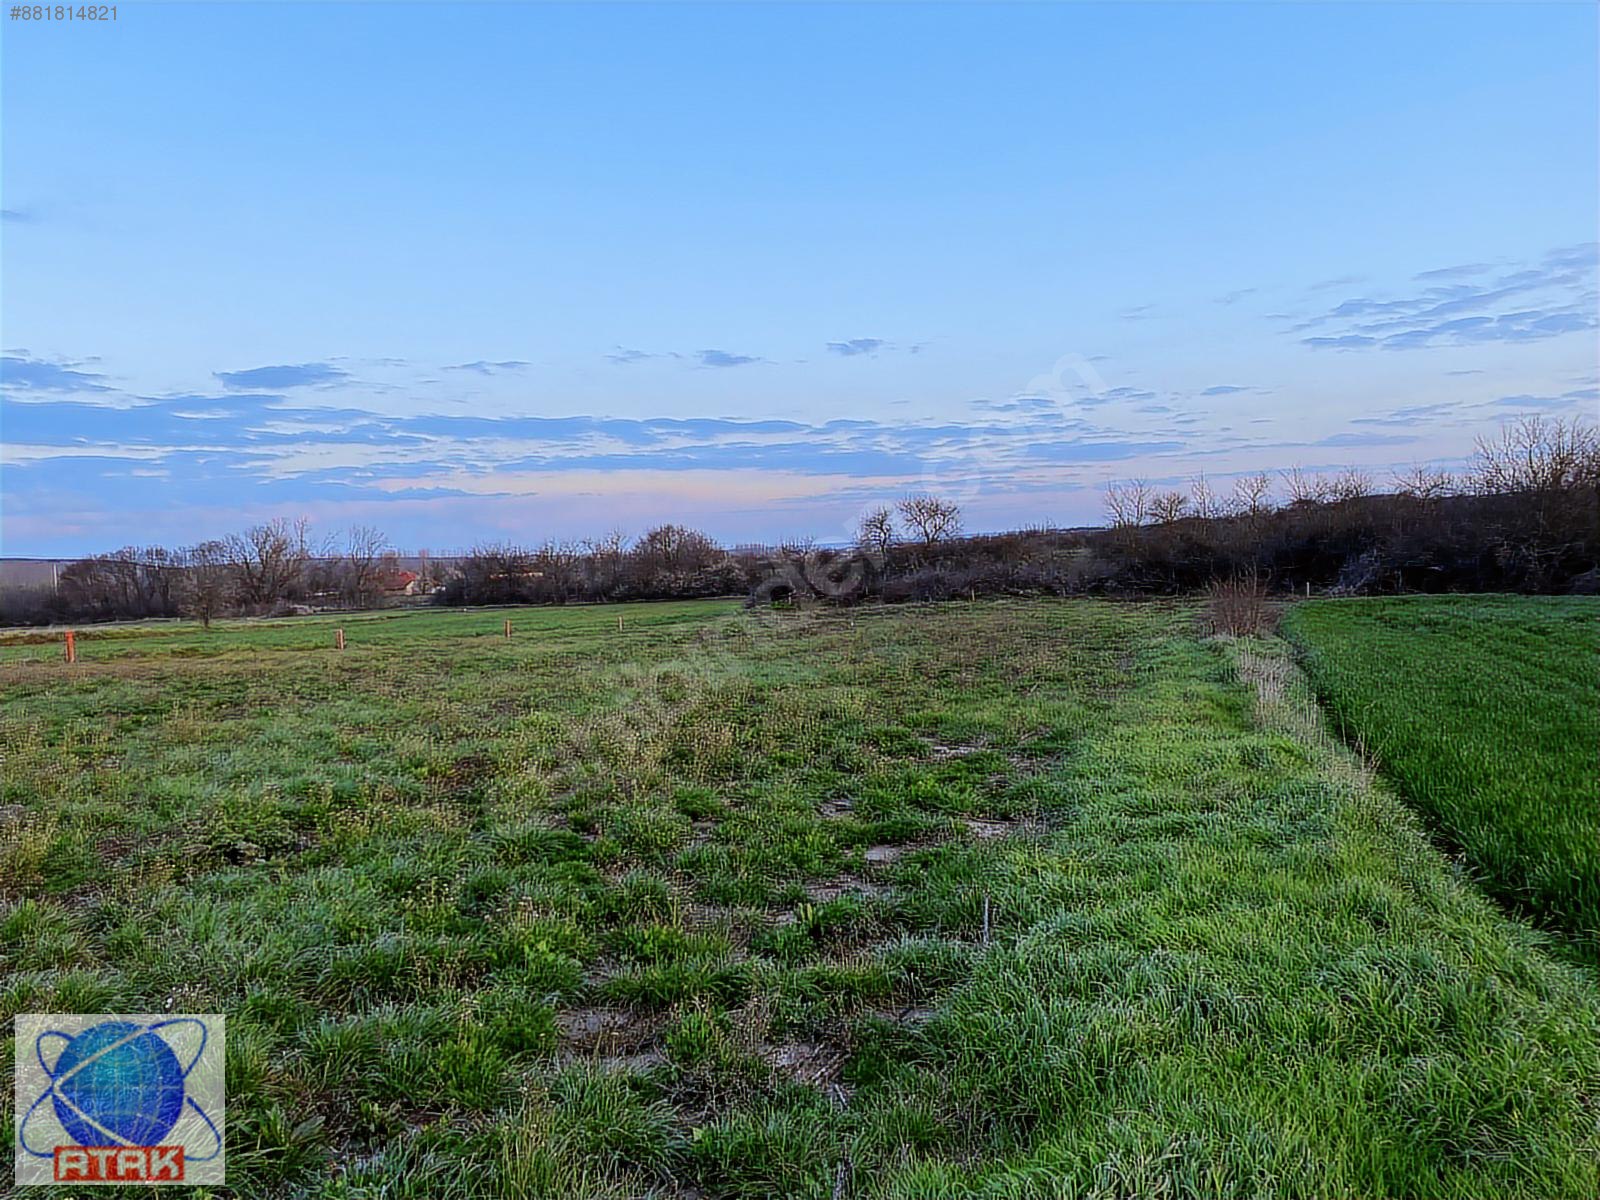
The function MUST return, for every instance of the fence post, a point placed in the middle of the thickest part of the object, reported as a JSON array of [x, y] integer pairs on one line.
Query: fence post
[[338, 639], [508, 626], [619, 622], [72, 647]]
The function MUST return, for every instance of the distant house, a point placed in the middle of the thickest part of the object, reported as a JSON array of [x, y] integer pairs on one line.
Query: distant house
[[406, 583]]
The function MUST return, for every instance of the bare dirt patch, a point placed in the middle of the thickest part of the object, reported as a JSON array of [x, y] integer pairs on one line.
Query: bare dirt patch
[[910, 1014], [815, 1063], [985, 830], [941, 752], [607, 1033]]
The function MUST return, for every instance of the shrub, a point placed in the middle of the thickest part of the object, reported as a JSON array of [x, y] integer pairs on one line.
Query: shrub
[[1238, 607]]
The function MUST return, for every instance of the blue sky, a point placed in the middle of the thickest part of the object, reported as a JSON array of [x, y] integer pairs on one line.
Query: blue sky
[[520, 271]]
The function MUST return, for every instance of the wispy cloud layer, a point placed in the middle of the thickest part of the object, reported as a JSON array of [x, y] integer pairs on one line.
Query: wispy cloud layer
[[855, 346], [490, 368], [626, 356], [67, 432], [724, 358], [1547, 299], [38, 375], [302, 375]]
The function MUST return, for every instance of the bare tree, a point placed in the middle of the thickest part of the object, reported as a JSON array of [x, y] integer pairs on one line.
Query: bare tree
[[1352, 483], [876, 533], [932, 519], [1304, 489], [1423, 482], [1128, 504], [269, 560], [209, 581], [1252, 494], [498, 573], [362, 566], [668, 557], [1537, 454], [1203, 500], [427, 570], [558, 567], [606, 554], [135, 581], [797, 549], [161, 573], [675, 548], [1167, 507]]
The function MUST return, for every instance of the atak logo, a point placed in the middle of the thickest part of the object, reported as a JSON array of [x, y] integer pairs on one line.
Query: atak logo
[[119, 1099]]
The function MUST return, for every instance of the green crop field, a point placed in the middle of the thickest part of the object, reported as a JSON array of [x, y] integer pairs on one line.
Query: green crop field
[[1006, 899], [1485, 712]]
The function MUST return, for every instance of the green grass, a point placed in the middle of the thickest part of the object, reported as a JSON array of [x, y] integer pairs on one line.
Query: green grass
[[1485, 712], [702, 905]]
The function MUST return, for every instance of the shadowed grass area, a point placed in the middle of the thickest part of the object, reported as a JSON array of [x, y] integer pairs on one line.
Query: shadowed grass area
[[1485, 711], [1006, 899]]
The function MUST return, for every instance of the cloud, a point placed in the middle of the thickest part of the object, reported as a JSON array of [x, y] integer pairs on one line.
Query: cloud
[[1223, 389], [1565, 400], [38, 375], [1078, 451], [1546, 299], [1116, 395], [1019, 404], [1582, 256], [1365, 439], [1340, 281], [1235, 297], [1466, 270], [1416, 414], [303, 375], [489, 368], [1348, 341], [722, 358], [1138, 312], [211, 450], [20, 215], [623, 355], [856, 346]]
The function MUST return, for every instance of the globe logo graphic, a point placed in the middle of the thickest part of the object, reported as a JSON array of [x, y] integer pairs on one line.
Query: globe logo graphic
[[117, 1084], [117, 1078]]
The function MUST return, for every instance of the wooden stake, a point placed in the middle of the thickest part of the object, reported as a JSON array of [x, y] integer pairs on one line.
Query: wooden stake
[[338, 639], [72, 647], [508, 626], [619, 622]]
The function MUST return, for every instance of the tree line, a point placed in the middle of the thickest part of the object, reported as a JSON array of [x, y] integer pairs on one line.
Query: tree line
[[1523, 516], [274, 568]]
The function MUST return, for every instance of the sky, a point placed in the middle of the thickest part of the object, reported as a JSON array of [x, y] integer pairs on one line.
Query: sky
[[524, 271]]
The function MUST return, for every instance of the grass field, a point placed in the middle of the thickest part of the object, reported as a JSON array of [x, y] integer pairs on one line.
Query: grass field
[[1485, 712], [1010, 899]]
